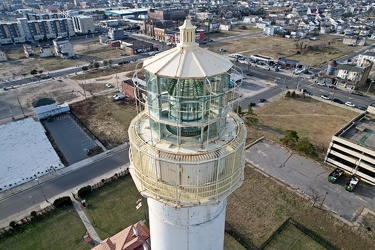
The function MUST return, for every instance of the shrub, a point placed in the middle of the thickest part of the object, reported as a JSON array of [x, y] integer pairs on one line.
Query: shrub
[[12, 224], [83, 192], [33, 214], [62, 201]]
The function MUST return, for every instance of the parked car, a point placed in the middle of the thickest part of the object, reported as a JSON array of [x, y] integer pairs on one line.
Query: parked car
[[325, 97], [332, 87], [305, 91], [350, 104], [262, 100], [119, 96], [321, 84], [108, 85], [223, 50], [351, 183], [337, 100], [362, 108], [252, 104], [357, 93], [334, 175], [249, 74]]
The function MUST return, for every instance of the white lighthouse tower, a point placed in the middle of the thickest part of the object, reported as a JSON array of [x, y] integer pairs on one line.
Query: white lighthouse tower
[[186, 144]]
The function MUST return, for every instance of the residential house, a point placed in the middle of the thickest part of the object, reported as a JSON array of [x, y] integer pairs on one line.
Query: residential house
[[368, 55], [3, 57], [47, 107], [63, 48], [134, 237], [45, 51], [29, 52], [351, 76]]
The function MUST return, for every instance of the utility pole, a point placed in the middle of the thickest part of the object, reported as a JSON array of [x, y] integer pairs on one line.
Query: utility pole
[[369, 87]]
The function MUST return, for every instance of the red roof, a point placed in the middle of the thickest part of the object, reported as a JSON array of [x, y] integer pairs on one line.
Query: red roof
[[131, 238]]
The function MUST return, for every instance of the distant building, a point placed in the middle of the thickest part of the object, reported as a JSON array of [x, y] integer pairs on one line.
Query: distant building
[[83, 24], [168, 14], [63, 48], [116, 34], [3, 57], [369, 55], [45, 51], [134, 237], [47, 107], [29, 52]]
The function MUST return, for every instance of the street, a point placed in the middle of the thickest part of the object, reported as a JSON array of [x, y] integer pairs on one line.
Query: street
[[32, 194]]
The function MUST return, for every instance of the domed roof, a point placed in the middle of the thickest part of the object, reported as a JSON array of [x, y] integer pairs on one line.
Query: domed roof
[[332, 63], [187, 59]]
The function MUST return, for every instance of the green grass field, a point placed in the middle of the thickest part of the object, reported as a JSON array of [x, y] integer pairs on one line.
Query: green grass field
[[112, 207], [61, 229], [292, 238]]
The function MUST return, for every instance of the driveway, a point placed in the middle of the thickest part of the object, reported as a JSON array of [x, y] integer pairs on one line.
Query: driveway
[[309, 177], [70, 138]]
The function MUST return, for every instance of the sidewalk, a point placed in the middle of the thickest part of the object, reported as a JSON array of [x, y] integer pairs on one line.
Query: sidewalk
[[90, 228]]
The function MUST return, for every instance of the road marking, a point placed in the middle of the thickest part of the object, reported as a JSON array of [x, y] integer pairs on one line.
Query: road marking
[[261, 152]]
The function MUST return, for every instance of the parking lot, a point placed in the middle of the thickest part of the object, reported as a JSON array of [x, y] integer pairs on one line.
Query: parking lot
[[309, 177], [70, 138]]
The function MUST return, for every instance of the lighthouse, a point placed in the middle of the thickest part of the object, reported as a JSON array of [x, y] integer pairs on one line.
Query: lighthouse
[[186, 145]]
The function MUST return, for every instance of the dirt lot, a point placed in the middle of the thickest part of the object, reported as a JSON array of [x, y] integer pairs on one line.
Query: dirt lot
[[17, 65], [276, 47], [314, 120]]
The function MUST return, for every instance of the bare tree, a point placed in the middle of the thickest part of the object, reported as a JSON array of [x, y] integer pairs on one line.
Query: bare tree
[[315, 196]]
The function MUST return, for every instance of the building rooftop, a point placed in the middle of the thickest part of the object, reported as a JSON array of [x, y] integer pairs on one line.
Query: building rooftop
[[360, 131]]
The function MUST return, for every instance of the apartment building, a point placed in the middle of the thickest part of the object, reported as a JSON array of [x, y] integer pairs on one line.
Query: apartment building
[[352, 148], [11, 33], [83, 24]]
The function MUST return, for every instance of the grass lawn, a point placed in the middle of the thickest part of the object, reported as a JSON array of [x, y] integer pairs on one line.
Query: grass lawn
[[315, 120], [231, 244], [292, 236], [57, 230], [55, 63], [112, 207], [261, 205]]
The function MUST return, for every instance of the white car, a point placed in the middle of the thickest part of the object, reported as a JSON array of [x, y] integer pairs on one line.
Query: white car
[[350, 104], [321, 84], [325, 97], [108, 85], [119, 96]]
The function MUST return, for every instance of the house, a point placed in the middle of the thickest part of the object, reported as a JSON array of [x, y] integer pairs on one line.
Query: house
[[28, 50], [269, 30], [63, 48], [116, 34], [47, 107], [350, 40], [134, 237], [45, 51], [368, 55], [3, 57], [134, 88], [351, 76]]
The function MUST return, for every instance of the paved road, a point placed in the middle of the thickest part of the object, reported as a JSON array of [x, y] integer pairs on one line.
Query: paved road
[[309, 177], [62, 181], [283, 80]]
